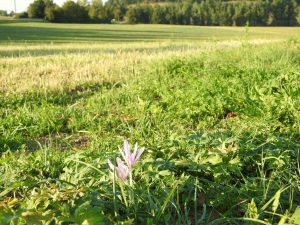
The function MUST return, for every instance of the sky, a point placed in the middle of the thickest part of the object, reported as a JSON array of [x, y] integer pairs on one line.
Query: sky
[[22, 5]]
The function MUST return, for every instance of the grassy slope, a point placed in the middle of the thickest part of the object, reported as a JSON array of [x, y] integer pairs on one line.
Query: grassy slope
[[220, 125]]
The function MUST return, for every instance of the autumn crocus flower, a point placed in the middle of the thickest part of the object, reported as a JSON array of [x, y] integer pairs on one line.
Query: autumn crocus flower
[[121, 169], [131, 158], [124, 171]]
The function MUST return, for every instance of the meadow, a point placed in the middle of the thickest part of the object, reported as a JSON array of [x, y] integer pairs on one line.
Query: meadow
[[216, 108]]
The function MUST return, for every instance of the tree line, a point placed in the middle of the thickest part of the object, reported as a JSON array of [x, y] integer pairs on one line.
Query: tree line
[[185, 12], [216, 12]]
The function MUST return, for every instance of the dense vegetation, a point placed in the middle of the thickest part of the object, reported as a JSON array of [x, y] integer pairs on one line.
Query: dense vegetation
[[219, 121], [194, 12], [210, 12], [3, 13]]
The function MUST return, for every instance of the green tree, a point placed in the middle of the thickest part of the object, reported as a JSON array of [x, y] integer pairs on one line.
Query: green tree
[[3, 13], [117, 8], [170, 14], [284, 12], [96, 10], [37, 9], [83, 3], [197, 14], [22, 15], [74, 12], [131, 15], [186, 13], [54, 13], [145, 12], [158, 16]]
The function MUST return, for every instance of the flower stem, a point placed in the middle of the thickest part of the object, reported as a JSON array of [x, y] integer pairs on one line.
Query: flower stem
[[114, 191], [132, 201], [130, 178], [123, 194]]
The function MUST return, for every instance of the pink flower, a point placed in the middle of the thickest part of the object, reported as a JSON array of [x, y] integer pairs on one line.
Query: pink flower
[[131, 158], [121, 170]]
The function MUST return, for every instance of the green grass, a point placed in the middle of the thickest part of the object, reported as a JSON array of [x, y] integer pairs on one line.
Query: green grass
[[219, 121], [28, 31]]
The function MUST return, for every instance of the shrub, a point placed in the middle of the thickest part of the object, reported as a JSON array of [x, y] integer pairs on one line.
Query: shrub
[[22, 15]]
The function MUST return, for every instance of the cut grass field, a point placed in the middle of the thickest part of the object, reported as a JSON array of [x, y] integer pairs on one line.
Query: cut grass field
[[217, 110], [37, 32]]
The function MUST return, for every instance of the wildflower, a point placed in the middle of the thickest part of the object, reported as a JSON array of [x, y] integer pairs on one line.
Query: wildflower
[[124, 171], [131, 158], [121, 170]]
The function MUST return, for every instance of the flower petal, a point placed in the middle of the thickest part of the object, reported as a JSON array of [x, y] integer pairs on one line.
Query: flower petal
[[119, 173], [123, 154], [111, 166], [111, 173], [120, 162], [122, 170], [126, 149], [139, 155], [134, 152]]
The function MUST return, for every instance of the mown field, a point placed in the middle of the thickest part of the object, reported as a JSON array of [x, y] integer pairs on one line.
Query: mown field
[[23, 31], [217, 110]]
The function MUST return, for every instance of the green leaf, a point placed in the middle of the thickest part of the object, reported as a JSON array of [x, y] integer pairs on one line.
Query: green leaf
[[283, 218], [265, 206], [276, 201], [163, 207], [150, 222], [235, 160], [128, 222], [296, 216], [85, 214], [214, 159], [164, 173], [252, 211]]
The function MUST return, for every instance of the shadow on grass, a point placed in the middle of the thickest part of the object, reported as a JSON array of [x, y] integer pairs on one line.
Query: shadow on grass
[[11, 20], [19, 143], [80, 91], [67, 34], [61, 141], [66, 97], [14, 143], [44, 32]]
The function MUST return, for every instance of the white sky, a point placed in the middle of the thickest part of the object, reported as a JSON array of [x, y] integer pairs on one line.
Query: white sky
[[21, 4]]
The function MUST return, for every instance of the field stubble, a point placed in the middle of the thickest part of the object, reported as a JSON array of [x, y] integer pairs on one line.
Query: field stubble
[[60, 66]]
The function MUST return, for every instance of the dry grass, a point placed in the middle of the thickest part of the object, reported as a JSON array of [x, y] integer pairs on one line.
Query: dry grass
[[59, 66], [36, 55]]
